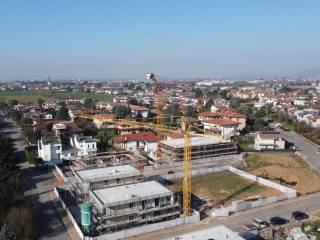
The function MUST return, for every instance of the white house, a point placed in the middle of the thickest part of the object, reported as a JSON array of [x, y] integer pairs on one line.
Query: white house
[[50, 149], [146, 141], [135, 109], [269, 140], [223, 127], [85, 145]]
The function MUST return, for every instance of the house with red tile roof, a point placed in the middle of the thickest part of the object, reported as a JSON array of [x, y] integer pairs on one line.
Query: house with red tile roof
[[225, 128], [146, 141]]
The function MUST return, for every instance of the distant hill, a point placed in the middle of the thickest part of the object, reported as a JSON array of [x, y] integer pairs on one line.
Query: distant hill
[[310, 73]]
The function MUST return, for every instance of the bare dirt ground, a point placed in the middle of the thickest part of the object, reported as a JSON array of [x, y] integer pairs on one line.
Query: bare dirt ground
[[285, 168]]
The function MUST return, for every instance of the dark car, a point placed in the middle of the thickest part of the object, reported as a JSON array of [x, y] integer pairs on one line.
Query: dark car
[[277, 221], [170, 172], [297, 215]]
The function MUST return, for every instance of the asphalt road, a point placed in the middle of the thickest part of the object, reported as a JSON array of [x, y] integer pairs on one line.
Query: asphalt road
[[39, 184], [309, 204], [308, 150]]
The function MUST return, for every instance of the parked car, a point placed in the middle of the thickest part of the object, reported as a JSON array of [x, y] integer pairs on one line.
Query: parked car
[[297, 215], [261, 223], [277, 221], [170, 172]]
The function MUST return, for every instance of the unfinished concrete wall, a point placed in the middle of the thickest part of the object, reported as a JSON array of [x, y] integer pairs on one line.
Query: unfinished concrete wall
[[150, 228]]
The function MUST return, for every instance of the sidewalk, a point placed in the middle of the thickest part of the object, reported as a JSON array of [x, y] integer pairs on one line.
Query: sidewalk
[[64, 218]]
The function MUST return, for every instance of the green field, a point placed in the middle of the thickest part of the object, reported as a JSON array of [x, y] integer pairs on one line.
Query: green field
[[32, 96], [223, 187]]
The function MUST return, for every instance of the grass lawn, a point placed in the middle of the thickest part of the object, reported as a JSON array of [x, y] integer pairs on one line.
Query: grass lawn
[[32, 96], [21, 96], [284, 168], [223, 187], [314, 226]]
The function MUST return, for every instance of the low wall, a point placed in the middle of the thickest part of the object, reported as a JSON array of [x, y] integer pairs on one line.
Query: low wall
[[150, 228], [194, 172], [60, 173], [291, 193], [240, 206], [74, 223]]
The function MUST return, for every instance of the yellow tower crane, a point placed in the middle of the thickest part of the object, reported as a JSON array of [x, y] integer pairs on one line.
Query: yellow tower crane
[[186, 129], [186, 157]]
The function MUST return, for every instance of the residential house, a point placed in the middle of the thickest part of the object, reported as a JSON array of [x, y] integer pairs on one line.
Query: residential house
[[269, 140], [223, 127], [237, 117], [86, 145], [146, 141], [50, 149], [135, 109]]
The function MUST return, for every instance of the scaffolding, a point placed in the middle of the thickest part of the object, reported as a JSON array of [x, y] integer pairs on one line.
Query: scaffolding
[[135, 210], [175, 153]]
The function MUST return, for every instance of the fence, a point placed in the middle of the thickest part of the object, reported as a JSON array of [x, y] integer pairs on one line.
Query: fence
[[74, 223], [238, 206]]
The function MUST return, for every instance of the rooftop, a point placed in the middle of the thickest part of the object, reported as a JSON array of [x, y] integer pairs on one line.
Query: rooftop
[[195, 141], [219, 232], [221, 122], [132, 192], [141, 137], [107, 173], [269, 134]]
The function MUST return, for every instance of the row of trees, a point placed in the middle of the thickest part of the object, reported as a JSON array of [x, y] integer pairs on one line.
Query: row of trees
[[15, 217]]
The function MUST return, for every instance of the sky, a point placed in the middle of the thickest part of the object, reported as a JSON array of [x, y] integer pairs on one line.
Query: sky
[[175, 39]]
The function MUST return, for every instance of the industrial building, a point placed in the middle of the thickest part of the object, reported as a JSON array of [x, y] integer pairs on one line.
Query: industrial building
[[97, 178], [201, 148], [219, 232], [133, 205]]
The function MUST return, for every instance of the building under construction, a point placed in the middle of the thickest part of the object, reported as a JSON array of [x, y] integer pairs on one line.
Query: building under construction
[[121, 199], [97, 178], [201, 148], [128, 206]]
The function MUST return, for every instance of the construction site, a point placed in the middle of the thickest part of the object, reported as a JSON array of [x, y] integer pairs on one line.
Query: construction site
[[107, 195], [202, 148]]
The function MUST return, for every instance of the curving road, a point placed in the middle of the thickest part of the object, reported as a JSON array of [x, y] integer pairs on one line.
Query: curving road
[[309, 151]]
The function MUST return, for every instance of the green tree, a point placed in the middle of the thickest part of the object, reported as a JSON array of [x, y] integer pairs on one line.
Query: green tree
[[259, 125], [105, 138], [171, 113], [139, 116], [208, 105], [198, 93], [89, 103], [87, 125], [235, 103], [25, 122], [122, 111], [190, 112], [63, 112], [149, 117], [40, 102]]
